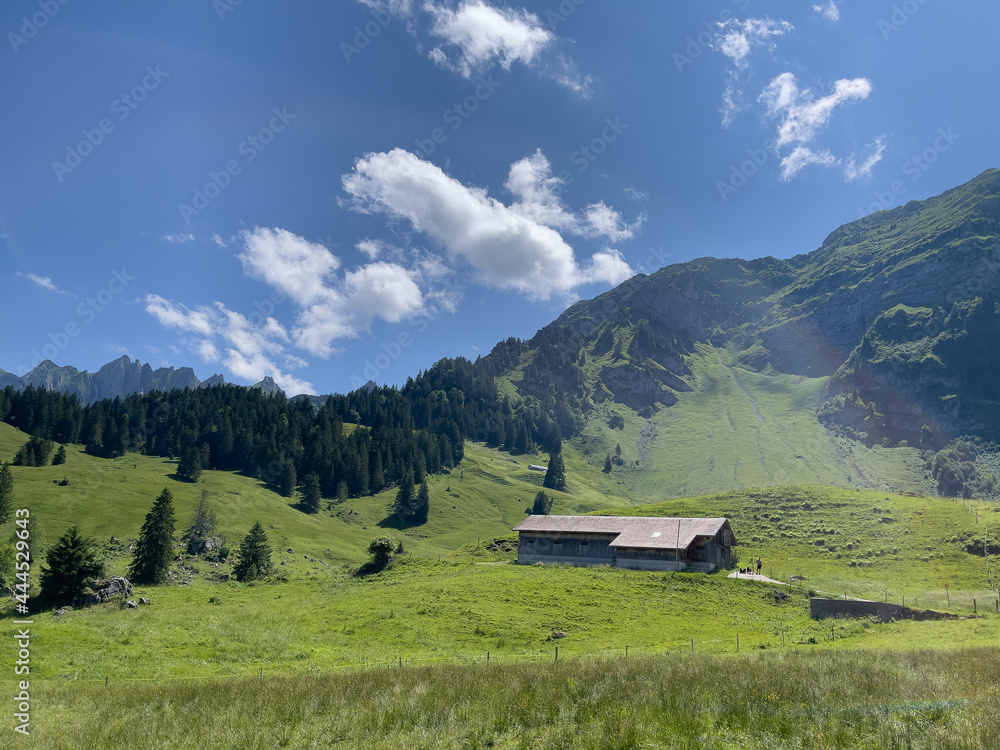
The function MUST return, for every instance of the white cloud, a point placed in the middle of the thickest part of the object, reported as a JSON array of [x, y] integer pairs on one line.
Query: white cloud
[[738, 40], [474, 36], [249, 348], [485, 35], [830, 12], [218, 240], [371, 248], [45, 283], [531, 181], [635, 194], [511, 247], [293, 265], [178, 238], [803, 156], [331, 307], [853, 171], [803, 116]]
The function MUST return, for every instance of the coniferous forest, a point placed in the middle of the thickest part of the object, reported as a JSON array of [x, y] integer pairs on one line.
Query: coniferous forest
[[416, 430]]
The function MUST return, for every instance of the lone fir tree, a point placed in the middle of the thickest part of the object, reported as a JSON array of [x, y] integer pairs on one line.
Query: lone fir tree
[[254, 561], [555, 477], [71, 565], [154, 550], [312, 497]]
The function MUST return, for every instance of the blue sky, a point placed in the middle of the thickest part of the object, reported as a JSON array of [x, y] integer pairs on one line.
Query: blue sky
[[327, 192]]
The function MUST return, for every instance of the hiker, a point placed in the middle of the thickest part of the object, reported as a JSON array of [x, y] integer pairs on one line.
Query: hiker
[[758, 565]]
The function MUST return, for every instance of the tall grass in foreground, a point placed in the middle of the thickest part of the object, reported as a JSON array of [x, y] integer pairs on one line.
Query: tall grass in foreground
[[788, 699]]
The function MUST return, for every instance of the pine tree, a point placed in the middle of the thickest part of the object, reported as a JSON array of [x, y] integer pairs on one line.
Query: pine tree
[[555, 477], [341, 491], [154, 550], [423, 503], [6, 492], [607, 464], [190, 467], [542, 504], [201, 528], [286, 482], [72, 565], [403, 507], [60, 457], [254, 560], [311, 495]]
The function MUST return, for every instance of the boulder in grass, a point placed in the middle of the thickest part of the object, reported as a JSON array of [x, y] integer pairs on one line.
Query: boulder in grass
[[116, 586]]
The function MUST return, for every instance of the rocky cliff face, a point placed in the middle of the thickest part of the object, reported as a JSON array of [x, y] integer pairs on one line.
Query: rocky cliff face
[[117, 379]]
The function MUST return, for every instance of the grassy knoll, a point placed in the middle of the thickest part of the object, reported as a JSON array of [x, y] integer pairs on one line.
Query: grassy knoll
[[835, 699]]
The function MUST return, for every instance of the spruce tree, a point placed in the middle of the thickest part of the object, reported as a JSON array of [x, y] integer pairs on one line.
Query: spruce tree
[[72, 564], [60, 457], [286, 482], [542, 504], [403, 507], [423, 503], [154, 550], [201, 528], [607, 464], [6, 492], [190, 466], [555, 477], [254, 560], [311, 495]]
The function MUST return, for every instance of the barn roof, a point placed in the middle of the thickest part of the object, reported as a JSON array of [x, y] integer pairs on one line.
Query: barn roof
[[631, 531]]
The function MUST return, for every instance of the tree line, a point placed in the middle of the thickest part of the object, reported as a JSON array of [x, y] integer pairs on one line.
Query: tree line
[[352, 445]]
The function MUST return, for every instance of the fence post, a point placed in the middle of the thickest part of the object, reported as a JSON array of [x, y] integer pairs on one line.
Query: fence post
[[973, 606], [832, 636], [105, 682], [626, 652], [692, 645], [487, 658], [400, 662], [557, 653], [782, 637], [737, 643]]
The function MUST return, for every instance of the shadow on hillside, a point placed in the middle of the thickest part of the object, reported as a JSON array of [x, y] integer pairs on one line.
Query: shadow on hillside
[[392, 521]]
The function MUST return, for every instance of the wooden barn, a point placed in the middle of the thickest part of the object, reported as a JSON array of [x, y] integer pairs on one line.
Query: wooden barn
[[694, 544]]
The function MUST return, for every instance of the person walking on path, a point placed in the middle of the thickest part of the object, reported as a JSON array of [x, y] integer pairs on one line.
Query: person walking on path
[[759, 564]]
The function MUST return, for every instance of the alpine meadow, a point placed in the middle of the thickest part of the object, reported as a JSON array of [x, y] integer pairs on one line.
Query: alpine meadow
[[575, 375]]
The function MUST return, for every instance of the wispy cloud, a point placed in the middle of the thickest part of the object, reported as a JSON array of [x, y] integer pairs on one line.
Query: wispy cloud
[[854, 171], [249, 349], [830, 11], [802, 117], [45, 283], [739, 40], [179, 238]]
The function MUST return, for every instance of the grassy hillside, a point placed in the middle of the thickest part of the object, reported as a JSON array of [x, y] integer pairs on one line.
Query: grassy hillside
[[865, 543], [484, 498], [735, 429]]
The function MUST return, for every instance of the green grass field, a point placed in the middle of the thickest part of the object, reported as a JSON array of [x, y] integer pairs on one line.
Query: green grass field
[[323, 642]]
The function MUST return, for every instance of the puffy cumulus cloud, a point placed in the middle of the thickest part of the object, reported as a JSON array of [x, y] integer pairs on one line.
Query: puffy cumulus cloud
[[484, 36], [802, 117], [830, 11], [331, 307], [248, 347], [474, 36], [512, 247], [295, 266], [854, 171]]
